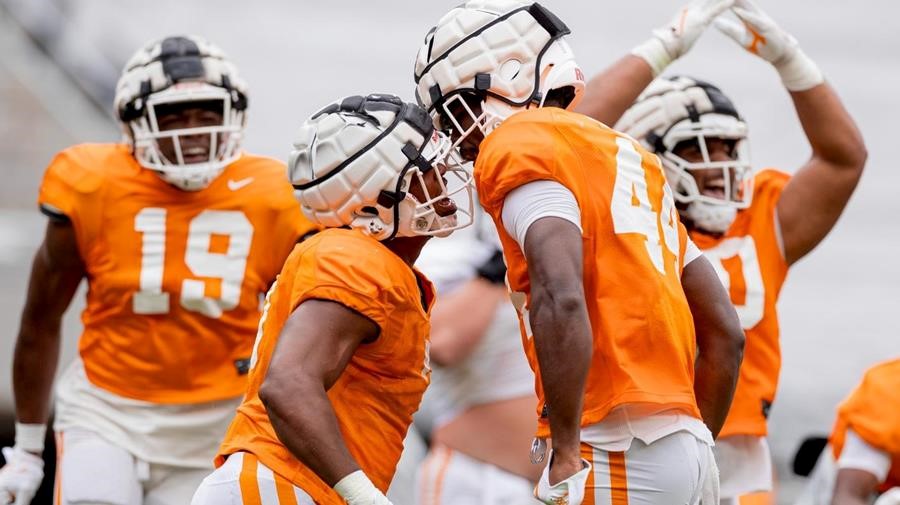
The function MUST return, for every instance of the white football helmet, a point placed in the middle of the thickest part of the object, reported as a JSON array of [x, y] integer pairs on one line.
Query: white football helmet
[[499, 56], [353, 162], [679, 109], [172, 71]]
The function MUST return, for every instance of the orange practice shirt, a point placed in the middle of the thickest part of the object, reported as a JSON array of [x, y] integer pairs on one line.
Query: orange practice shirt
[[633, 247], [377, 393], [174, 277], [751, 265], [873, 411]]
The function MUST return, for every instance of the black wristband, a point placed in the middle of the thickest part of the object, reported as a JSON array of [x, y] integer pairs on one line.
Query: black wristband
[[494, 269]]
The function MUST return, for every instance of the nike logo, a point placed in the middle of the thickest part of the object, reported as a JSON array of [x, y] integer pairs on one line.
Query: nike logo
[[236, 185]]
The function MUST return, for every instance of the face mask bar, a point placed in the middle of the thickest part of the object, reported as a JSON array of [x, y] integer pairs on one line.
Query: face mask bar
[[737, 174], [224, 141], [425, 220]]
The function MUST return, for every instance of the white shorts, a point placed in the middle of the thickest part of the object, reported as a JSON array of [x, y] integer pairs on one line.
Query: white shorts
[[92, 471], [678, 469], [745, 465], [448, 477], [243, 480]]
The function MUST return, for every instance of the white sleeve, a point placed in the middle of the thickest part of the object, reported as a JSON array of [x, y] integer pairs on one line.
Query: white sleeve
[[535, 200], [692, 252], [859, 455]]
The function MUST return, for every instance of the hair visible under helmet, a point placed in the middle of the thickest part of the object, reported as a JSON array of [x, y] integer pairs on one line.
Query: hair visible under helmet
[[673, 110], [353, 163], [180, 70], [505, 54]]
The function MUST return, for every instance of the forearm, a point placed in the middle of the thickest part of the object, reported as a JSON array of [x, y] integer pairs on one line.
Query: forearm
[[563, 341], [34, 367], [608, 95], [714, 387], [831, 131], [309, 429]]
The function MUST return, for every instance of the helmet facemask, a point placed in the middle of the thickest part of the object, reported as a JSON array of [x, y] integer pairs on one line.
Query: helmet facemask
[[174, 78], [181, 167], [736, 174], [377, 164]]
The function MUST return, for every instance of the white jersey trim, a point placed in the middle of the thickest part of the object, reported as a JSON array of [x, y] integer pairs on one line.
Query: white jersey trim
[[535, 200], [691, 252], [860, 455]]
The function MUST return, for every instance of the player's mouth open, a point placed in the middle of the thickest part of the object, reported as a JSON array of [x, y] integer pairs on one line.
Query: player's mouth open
[[445, 207], [715, 188], [196, 154]]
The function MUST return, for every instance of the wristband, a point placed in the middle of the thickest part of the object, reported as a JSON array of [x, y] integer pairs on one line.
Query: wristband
[[654, 52], [30, 437], [799, 72], [355, 486]]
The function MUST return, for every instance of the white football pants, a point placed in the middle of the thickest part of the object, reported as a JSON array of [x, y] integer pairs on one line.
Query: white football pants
[[677, 469], [448, 477], [243, 480], [92, 471]]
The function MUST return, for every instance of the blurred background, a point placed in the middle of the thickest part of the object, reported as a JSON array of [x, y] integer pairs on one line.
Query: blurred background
[[59, 61]]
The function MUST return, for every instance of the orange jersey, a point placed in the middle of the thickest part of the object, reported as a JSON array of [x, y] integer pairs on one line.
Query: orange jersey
[[751, 265], [377, 393], [174, 277], [633, 248], [873, 411]]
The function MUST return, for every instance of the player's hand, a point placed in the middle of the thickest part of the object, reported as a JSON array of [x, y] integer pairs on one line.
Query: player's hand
[[567, 491], [21, 477], [676, 38], [889, 497], [756, 32]]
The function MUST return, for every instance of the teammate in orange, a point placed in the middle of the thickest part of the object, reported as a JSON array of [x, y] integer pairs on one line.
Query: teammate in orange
[[178, 233], [866, 439], [341, 360], [752, 227], [608, 286]]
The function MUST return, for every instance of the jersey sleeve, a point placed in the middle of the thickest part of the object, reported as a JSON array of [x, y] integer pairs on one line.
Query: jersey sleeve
[[860, 455], [516, 154], [57, 196], [342, 273]]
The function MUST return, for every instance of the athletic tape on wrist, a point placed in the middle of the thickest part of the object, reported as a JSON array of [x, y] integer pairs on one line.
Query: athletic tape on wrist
[[354, 486], [654, 52], [799, 72], [30, 437]]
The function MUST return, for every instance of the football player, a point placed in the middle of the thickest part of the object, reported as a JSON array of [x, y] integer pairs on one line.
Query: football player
[[341, 360], [482, 391], [752, 227], [863, 455], [607, 284], [178, 233]]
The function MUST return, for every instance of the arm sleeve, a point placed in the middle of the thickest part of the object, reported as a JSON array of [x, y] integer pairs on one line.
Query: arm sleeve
[[691, 252], [859, 455], [535, 200]]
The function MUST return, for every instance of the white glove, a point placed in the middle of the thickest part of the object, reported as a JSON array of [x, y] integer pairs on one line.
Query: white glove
[[21, 477], [889, 497], [673, 40], [566, 492], [357, 489], [760, 35]]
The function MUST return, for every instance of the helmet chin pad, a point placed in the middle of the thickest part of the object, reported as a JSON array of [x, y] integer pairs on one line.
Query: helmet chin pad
[[709, 217]]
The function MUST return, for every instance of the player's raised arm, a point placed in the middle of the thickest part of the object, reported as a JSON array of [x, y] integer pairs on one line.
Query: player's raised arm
[[56, 272], [610, 93], [314, 348], [816, 195], [720, 341]]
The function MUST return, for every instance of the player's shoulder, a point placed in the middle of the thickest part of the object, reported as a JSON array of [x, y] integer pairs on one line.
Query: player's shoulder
[[85, 167], [769, 178], [884, 376], [353, 250], [261, 179]]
